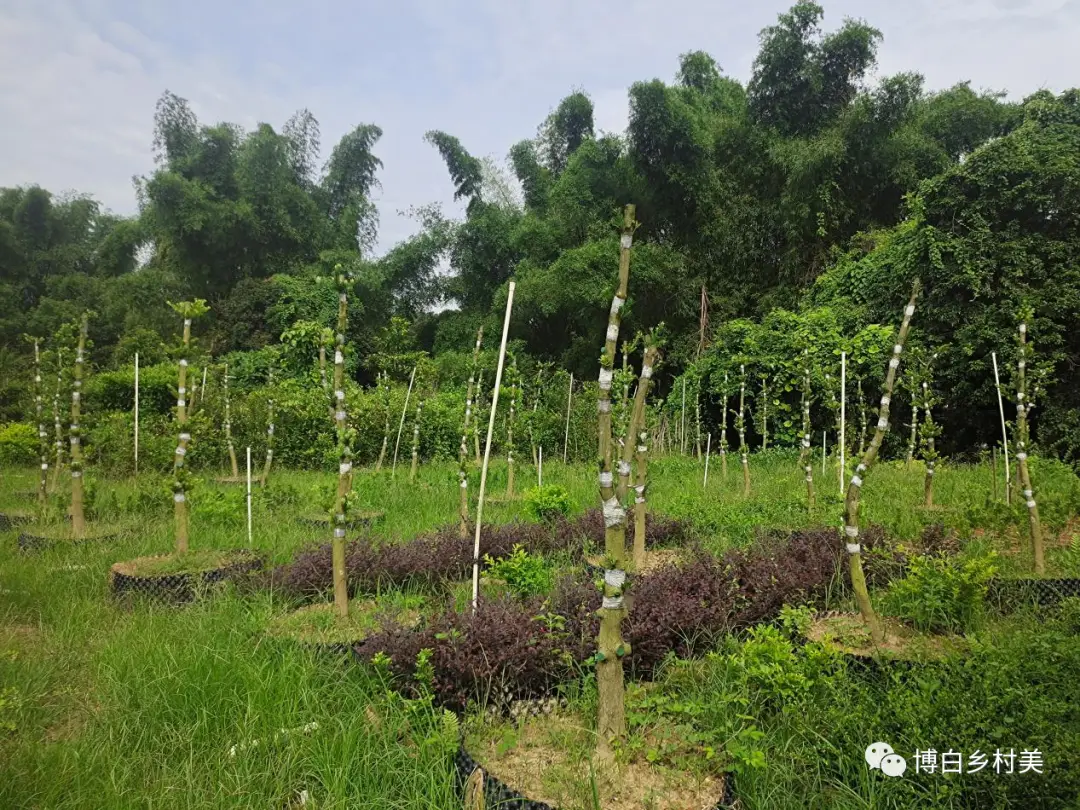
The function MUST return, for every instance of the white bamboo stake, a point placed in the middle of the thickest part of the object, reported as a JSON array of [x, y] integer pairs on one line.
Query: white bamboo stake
[[569, 399], [249, 496], [708, 446], [203, 389], [487, 449], [682, 421], [404, 409], [136, 413], [843, 414], [540, 468], [1004, 433]]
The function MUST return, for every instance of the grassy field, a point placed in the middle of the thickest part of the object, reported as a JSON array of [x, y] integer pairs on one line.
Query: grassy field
[[154, 707]]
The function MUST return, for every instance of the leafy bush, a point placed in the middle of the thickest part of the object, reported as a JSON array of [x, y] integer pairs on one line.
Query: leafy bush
[[942, 592], [547, 502], [18, 444], [526, 574]]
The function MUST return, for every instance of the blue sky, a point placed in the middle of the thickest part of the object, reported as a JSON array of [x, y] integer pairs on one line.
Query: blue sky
[[79, 78]]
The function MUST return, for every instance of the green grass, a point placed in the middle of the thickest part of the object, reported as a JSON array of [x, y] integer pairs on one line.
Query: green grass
[[106, 707]]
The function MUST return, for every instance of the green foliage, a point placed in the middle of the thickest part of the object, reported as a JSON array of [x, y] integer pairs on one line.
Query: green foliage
[[526, 574], [18, 444], [548, 502], [943, 592]]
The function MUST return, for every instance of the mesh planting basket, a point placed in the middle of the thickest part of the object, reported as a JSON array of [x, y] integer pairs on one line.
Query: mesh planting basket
[[29, 543], [10, 520], [1012, 593], [356, 520], [499, 794], [182, 587]]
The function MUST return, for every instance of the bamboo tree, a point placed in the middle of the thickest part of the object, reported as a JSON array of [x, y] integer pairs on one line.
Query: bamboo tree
[[463, 450], [1027, 353], [341, 591], [269, 428], [384, 382], [228, 426], [416, 441], [187, 310], [851, 501], [806, 457], [43, 434], [740, 424], [611, 715]]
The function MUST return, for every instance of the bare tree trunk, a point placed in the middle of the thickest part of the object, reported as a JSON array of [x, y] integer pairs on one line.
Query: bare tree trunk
[[43, 434], [723, 432], [640, 483], [806, 457], [416, 442], [78, 516], [637, 426], [1022, 407], [851, 501], [269, 430], [463, 450], [385, 380], [341, 584], [510, 431], [611, 715], [228, 426], [57, 422], [741, 425], [180, 511], [476, 422]]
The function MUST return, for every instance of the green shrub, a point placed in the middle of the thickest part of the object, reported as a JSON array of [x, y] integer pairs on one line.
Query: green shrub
[[943, 593], [526, 574], [547, 502], [18, 444]]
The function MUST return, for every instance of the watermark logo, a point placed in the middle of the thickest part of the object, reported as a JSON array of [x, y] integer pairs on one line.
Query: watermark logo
[[881, 756]]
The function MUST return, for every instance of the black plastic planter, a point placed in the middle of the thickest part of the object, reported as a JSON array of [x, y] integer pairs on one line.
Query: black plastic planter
[[500, 795], [29, 543], [1012, 593], [181, 587]]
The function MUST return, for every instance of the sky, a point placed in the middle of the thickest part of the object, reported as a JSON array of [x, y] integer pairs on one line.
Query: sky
[[79, 78]]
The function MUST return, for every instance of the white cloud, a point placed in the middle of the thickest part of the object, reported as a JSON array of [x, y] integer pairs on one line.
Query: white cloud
[[79, 80]]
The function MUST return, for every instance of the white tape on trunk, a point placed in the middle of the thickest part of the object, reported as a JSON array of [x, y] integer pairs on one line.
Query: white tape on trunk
[[44, 466], [612, 603], [180, 403], [76, 474], [181, 390], [181, 451], [270, 430], [614, 577], [1028, 493], [882, 424], [626, 241], [885, 402], [853, 548], [183, 363], [894, 362], [343, 298], [1023, 327], [185, 437], [612, 331], [855, 480], [605, 479], [646, 372], [614, 514], [344, 467], [616, 304], [339, 395], [178, 497], [851, 531], [624, 468], [603, 406], [1031, 504], [339, 533], [340, 416], [339, 358], [909, 310], [606, 375]]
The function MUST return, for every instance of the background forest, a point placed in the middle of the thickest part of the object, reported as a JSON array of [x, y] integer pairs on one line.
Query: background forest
[[795, 211]]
